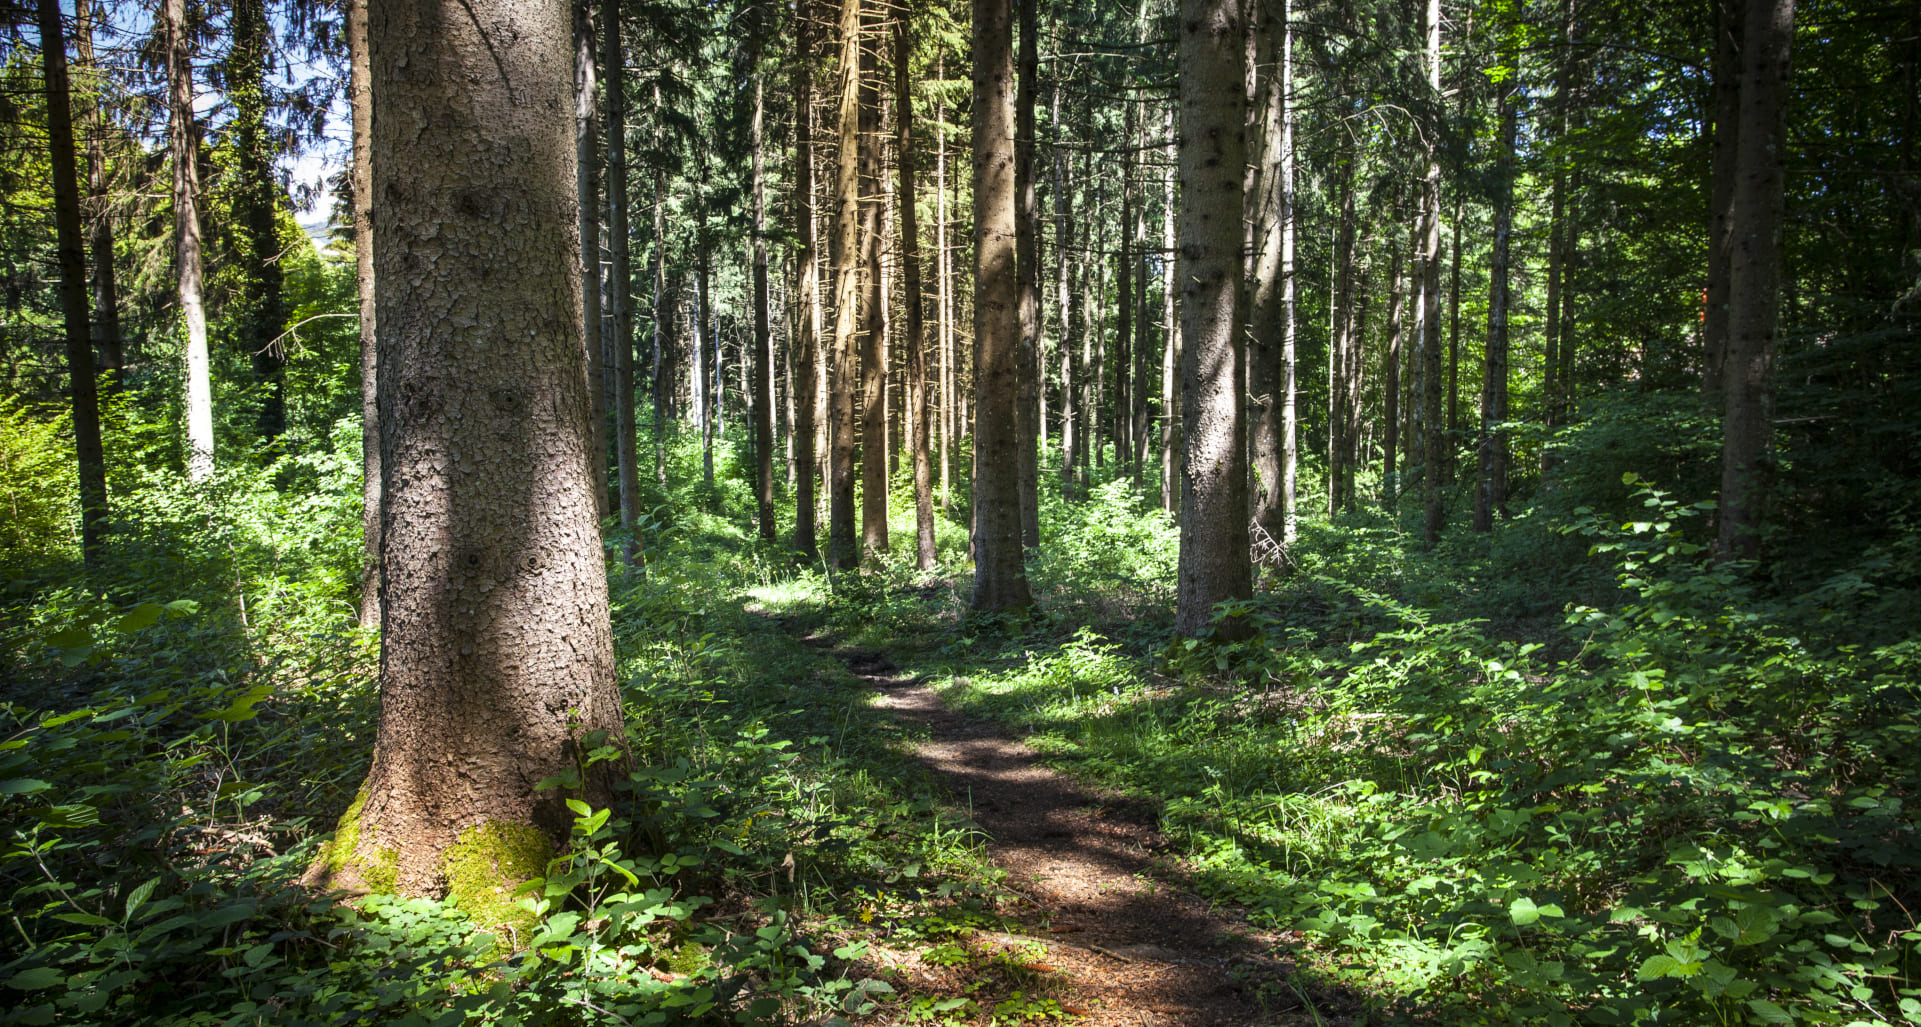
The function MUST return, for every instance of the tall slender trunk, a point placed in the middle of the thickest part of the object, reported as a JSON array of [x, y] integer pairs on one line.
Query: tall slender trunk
[[594, 320], [1171, 445], [186, 231], [841, 544], [1454, 344], [1266, 308], [1214, 563], [362, 104], [706, 362], [1754, 279], [107, 338], [806, 342], [1027, 268], [763, 362], [1490, 494], [1000, 573], [620, 279], [1340, 322], [1391, 379], [1437, 439], [873, 304], [1124, 289], [943, 261], [916, 323], [70, 247], [1290, 377], [1725, 118], [1067, 313]]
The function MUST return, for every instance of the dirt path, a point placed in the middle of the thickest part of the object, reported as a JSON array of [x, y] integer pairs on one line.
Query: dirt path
[[1134, 950]]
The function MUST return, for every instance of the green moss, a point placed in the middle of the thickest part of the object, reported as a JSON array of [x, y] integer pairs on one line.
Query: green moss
[[345, 864], [485, 866], [687, 958]]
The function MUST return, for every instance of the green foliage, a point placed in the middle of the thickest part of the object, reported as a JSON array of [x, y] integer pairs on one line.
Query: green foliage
[[37, 489]]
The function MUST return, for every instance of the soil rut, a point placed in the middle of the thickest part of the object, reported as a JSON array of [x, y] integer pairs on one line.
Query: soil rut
[[1134, 949]]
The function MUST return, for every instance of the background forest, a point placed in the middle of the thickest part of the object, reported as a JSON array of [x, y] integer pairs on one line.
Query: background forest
[[1573, 672]]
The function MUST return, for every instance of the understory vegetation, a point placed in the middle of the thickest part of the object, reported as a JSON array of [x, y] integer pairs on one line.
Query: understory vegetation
[[1573, 771]]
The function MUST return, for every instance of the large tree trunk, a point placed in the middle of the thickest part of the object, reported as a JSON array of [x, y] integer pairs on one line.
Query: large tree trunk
[[1436, 435], [806, 341], [1290, 377], [619, 327], [1391, 383], [362, 102], [70, 247], [916, 322], [1214, 564], [1754, 312], [873, 306], [496, 655], [1000, 574], [841, 546], [261, 312], [763, 362], [1490, 494], [1027, 259], [186, 232]]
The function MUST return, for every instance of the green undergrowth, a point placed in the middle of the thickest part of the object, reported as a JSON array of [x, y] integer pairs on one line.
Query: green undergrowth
[[1673, 799], [176, 744]]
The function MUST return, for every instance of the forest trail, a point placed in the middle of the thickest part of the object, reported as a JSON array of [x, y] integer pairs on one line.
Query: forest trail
[[1132, 948]]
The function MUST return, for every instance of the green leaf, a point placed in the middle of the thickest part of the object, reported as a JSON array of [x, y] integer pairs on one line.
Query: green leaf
[[1768, 1011], [84, 919], [1523, 911], [72, 637], [139, 617], [22, 786], [139, 896], [37, 978]]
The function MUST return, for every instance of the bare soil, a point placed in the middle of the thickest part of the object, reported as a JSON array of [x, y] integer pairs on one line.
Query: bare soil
[[1125, 944]]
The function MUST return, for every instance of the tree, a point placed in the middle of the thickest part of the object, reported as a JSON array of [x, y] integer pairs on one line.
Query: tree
[[360, 88], [1000, 572], [1490, 493], [763, 396], [71, 247], [1436, 435], [872, 306], [1754, 278], [187, 247], [619, 326], [806, 341], [587, 189], [925, 556], [1214, 538], [256, 206], [496, 654], [846, 256]]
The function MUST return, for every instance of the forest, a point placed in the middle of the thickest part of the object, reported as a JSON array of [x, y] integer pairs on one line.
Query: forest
[[873, 512]]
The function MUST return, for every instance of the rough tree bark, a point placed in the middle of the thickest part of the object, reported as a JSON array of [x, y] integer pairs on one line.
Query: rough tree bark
[[1726, 70], [1214, 563], [496, 656], [1754, 279], [70, 248], [1000, 574], [184, 147]]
